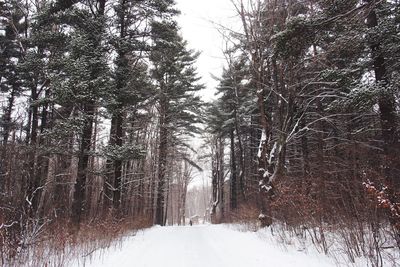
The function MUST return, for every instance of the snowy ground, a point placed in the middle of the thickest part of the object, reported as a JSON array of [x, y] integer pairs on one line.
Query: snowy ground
[[203, 245]]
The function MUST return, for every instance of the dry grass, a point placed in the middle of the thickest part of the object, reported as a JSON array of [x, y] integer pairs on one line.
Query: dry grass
[[59, 242], [343, 224]]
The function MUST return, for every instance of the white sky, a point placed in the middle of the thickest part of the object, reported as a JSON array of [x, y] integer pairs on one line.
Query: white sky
[[198, 21]]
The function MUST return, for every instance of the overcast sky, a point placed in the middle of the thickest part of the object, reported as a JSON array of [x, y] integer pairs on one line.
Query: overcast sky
[[198, 22]]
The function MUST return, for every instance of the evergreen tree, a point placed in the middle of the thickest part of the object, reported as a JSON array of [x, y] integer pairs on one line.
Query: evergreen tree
[[10, 56], [10, 84], [178, 106], [79, 86]]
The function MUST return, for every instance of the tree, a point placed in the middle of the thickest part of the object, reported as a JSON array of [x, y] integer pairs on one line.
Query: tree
[[10, 55], [319, 74], [79, 87], [72, 67], [178, 107], [131, 85]]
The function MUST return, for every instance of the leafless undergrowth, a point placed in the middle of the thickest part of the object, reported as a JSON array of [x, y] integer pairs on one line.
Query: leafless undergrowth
[[58, 243], [354, 234]]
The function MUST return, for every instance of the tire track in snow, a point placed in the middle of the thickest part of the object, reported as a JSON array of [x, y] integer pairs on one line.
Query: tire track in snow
[[201, 246]]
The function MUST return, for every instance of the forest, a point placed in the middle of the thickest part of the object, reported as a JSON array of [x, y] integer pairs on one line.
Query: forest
[[101, 106]]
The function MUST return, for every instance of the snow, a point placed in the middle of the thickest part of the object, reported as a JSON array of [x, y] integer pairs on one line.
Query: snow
[[262, 142], [266, 174], [202, 245], [272, 153], [267, 188]]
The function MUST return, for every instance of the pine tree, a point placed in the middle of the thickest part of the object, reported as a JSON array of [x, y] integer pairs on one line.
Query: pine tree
[[10, 56], [178, 107], [78, 88]]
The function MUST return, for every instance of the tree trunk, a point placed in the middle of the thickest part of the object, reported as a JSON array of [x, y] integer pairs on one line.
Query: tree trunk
[[387, 108], [233, 183], [109, 177], [241, 157], [305, 160], [7, 118], [214, 181], [221, 178], [162, 162], [33, 191], [6, 134], [118, 162], [388, 116], [265, 170], [79, 201], [119, 116]]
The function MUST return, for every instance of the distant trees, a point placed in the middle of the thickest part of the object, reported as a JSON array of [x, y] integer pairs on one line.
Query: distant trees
[[98, 101]]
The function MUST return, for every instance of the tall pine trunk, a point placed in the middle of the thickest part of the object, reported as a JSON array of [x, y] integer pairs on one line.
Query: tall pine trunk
[[387, 108], [7, 117], [162, 161], [118, 162], [233, 183], [33, 190], [79, 201], [388, 116]]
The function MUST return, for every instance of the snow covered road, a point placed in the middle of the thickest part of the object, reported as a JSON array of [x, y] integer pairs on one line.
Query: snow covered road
[[201, 246]]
